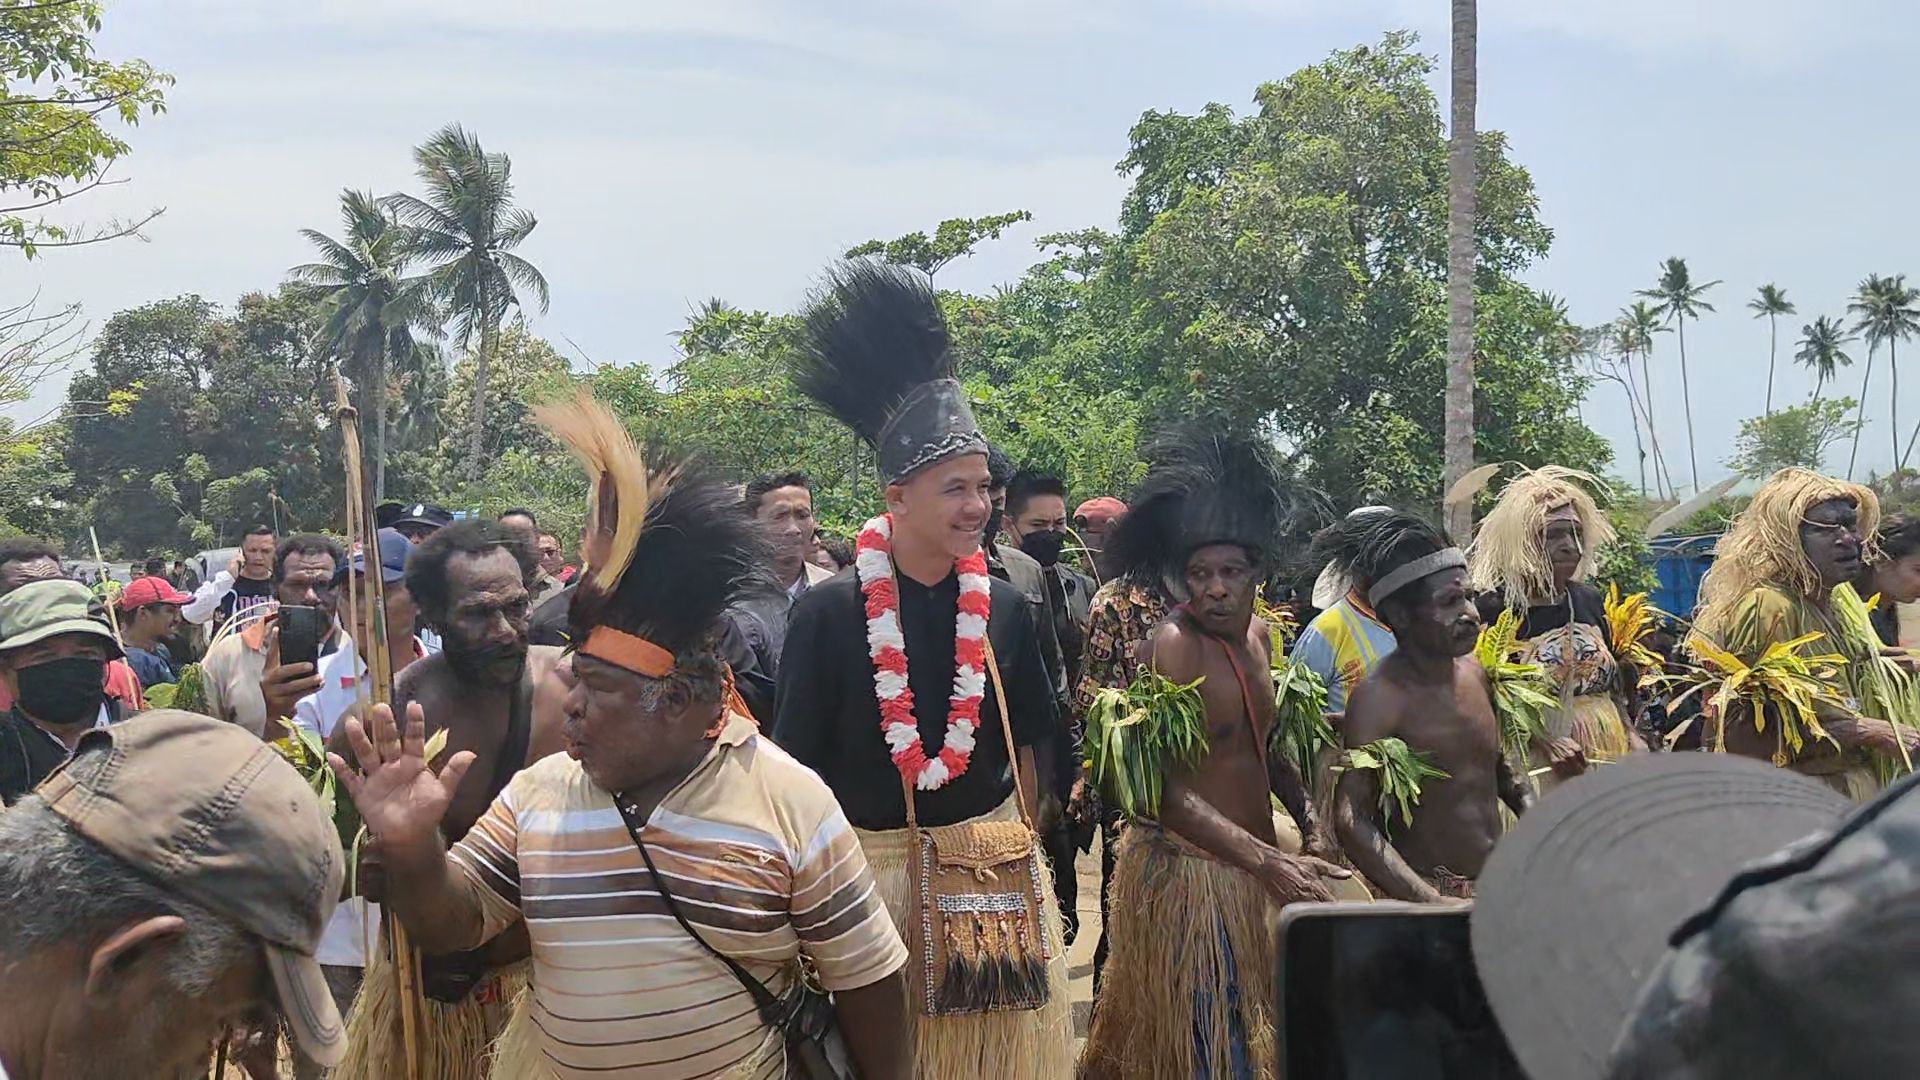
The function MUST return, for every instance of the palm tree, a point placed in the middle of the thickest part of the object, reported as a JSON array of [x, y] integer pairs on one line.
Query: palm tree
[[1461, 195], [1679, 299], [1866, 298], [1888, 316], [1771, 304], [372, 309], [1636, 326], [468, 227], [1822, 350]]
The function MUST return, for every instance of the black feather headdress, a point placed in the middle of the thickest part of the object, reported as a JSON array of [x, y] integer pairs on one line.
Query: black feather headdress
[[669, 548], [874, 352], [1384, 544], [1203, 487]]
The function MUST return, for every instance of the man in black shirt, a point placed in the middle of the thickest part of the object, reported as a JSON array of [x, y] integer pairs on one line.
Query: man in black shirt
[[888, 679], [54, 649]]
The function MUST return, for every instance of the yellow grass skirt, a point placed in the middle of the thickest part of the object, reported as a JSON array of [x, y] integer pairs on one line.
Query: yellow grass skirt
[[1597, 726], [1035, 1044], [1171, 907], [454, 1040]]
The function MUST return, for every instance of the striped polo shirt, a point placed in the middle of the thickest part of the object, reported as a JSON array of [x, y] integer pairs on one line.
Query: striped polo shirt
[[763, 864]]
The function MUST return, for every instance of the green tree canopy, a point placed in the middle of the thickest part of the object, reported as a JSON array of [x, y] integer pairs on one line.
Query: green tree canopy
[[57, 98]]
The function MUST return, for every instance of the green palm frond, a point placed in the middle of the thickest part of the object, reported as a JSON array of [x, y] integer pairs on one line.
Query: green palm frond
[[1402, 770], [1300, 728], [1521, 693], [1134, 735]]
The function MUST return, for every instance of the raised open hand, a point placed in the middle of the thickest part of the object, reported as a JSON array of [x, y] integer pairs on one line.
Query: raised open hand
[[398, 796]]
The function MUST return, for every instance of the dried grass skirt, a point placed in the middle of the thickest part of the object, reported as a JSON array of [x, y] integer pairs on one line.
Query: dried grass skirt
[[1191, 938], [1034, 1044], [454, 1040]]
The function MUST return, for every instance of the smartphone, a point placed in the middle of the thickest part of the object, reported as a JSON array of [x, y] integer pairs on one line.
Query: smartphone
[[299, 634], [1385, 991]]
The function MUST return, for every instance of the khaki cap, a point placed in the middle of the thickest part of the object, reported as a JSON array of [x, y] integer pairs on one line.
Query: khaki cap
[[219, 817], [43, 609]]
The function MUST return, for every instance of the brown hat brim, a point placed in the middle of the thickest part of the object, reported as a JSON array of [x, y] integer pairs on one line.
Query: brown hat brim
[[307, 1004]]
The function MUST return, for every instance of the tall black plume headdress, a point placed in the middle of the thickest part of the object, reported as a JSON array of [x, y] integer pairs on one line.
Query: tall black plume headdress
[[1204, 487], [874, 352]]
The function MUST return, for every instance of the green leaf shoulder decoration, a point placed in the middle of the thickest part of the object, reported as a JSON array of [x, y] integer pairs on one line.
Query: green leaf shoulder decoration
[[1134, 735], [1521, 693], [189, 693], [1300, 728], [1402, 770]]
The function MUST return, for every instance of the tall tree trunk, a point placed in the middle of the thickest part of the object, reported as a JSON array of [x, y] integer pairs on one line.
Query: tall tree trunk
[[1860, 414], [1633, 411], [1461, 193], [1653, 433], [1893, 402], [1686, 401], [476, 447], [476, 439], [1773, 352], [380, 423]]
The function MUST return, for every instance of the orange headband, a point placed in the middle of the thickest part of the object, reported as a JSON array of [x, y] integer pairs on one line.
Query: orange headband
[[629, 651]]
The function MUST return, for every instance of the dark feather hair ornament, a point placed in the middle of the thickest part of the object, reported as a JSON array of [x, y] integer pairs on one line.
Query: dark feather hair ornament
[[874, 352], [1204, 487], [1397, 549], [668, 547]]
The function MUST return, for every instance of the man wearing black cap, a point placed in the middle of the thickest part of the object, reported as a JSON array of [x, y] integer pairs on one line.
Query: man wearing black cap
[[169, 884], [419, 521], [1432, 696]]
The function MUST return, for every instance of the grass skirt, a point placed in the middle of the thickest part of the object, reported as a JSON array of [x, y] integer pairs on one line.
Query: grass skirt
[[454, 1040], [1171, 910], [1599, 729], [1023, 1045]]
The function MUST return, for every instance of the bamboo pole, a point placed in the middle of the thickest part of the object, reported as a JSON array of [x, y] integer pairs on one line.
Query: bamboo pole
[[377, 689], [106, 585]]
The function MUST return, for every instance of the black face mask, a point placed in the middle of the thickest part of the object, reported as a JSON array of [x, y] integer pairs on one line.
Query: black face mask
[[1044, 546], [64, 692]]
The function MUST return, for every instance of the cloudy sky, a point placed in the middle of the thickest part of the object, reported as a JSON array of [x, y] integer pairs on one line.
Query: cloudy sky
[[677, 151]]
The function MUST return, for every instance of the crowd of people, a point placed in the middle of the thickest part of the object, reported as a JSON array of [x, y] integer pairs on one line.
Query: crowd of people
[[712, 798]]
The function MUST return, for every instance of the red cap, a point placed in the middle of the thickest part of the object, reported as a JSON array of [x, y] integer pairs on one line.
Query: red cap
[[150, 590], [1104, 510]]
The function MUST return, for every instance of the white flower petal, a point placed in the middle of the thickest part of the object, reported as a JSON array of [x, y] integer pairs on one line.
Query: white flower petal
[[889, 685], [934, 776], [970, 626], [899, 737]]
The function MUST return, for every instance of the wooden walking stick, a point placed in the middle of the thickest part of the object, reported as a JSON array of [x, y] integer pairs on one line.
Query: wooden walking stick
[[370, 602]]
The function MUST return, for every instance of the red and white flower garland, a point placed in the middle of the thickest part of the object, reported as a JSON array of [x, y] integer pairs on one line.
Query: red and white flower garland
[[873, 563]]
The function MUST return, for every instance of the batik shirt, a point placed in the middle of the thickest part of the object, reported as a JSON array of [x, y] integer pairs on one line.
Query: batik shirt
[[1120, 618]]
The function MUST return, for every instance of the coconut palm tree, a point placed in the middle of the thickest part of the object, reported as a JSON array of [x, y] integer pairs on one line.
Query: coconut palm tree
[[1887, 315], [1461, 194], [1679, 298], [372, 308], [1823, 350], [1866, 297], [1636, 326], [1770, 304], [467, 226]]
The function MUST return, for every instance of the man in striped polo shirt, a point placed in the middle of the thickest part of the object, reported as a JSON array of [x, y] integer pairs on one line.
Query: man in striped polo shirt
[[673, 853]]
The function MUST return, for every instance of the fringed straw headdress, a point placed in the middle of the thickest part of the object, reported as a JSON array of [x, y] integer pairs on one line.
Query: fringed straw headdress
[[1763, 545], [1509, 554]]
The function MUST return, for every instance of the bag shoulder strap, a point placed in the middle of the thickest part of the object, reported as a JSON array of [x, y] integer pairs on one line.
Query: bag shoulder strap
[[768, 1005], [1006, 732]]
